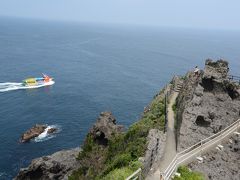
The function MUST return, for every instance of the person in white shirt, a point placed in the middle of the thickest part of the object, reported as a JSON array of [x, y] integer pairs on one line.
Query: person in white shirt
[[196, 71]]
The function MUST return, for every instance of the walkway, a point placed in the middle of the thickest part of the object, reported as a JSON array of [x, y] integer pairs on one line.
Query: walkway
[[170, 148], [191, 153]]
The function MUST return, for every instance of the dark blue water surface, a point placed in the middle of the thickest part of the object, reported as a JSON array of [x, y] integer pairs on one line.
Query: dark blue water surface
[[96, 68]]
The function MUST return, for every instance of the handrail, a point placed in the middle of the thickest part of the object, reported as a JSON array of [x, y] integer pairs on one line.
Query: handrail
[[136, 174], [198, 146], [234, 78], [173, 165], [176, 163], [210, 137]]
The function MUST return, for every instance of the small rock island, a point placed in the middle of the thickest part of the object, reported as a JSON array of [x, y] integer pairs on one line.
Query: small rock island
[[35, 131], [186, 111]]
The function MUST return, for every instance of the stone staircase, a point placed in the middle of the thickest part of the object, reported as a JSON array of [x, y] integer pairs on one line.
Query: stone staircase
[[178, 86]]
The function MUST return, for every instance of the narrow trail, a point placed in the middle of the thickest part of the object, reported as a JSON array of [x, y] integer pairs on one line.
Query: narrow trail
[[170, 148]]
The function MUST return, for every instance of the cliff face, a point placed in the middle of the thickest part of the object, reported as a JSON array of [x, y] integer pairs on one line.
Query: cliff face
[[207, 104]]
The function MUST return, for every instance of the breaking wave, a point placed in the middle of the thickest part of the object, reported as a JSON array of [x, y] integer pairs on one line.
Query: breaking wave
[[11, 86], [45, 136]]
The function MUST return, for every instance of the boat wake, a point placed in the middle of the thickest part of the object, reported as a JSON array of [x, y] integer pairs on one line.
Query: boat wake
[[11, 86], [45, 136]]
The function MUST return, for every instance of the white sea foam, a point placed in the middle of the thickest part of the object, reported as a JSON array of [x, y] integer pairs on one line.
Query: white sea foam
[[11, 86], [45, 136], [2, 174]]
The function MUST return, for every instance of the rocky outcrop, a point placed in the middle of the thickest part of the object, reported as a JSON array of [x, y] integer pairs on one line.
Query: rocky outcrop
[[56, 166], [61, 164], [221, 164], [104, 128], [35, 131], [206, 104], [32, 133]]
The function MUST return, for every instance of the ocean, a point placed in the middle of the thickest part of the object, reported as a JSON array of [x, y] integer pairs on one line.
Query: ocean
[[96, 68]]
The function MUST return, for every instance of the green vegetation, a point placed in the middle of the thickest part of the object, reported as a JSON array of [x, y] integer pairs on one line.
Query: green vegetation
[[123, 172], [120, 157], [184, 77], [186, 174], [174, 108]]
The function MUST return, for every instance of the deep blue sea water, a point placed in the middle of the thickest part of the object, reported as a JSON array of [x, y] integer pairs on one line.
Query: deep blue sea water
[[96, 68]]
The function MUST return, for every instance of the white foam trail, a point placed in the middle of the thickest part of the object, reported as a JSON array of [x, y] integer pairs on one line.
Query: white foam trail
[[11, 86], [45, 136]]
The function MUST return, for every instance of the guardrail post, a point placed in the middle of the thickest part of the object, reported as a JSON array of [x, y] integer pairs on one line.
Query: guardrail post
[[201, 146]]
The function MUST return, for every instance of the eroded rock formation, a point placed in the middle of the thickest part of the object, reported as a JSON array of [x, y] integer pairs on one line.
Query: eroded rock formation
[[104, 128], [206, 104]]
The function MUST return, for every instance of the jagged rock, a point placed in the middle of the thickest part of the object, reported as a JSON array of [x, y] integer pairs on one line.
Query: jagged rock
[[32, 133], [206, 104], [104, 128], [56, 166], [216, 70]]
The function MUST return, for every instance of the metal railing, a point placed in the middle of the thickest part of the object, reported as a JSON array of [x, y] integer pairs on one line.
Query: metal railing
[[136, 175], [197, 148], [191, 152], [234, 78]]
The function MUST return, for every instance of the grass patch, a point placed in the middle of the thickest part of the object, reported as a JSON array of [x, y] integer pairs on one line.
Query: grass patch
[[186, 174]]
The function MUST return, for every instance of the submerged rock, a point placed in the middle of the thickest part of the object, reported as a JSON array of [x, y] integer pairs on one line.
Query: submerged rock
[[56, 166], [35, 131]]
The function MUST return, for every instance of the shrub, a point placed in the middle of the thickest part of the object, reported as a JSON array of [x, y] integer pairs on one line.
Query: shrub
[[186, 174]]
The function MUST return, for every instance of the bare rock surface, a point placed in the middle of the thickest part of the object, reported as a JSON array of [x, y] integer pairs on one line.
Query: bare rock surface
[[223, 164], [207, 104], [56, 166]]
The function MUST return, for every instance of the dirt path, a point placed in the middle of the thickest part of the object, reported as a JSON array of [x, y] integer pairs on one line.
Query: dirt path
[[170, 148]]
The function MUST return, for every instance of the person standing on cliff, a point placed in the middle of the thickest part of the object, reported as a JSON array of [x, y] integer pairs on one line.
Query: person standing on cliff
[[196, 71]]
